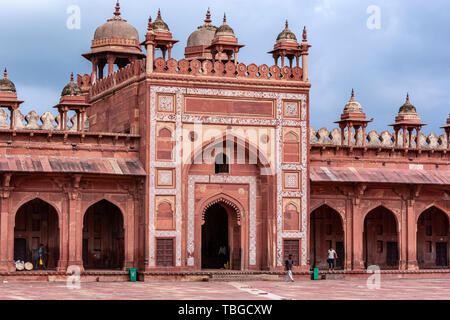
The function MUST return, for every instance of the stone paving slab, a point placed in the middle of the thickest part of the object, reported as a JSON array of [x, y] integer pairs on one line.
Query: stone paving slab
[[391, 289]]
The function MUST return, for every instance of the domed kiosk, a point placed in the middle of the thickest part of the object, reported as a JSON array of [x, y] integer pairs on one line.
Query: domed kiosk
[[116, 42]]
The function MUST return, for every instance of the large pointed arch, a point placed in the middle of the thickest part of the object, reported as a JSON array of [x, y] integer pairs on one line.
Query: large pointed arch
[[103, 236], [381, 238], [37, 233], [263, 160]]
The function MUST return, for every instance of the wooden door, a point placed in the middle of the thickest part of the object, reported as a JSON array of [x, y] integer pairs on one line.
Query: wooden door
[[441, 254], [164, 252], [392, 253], [291, 247], [20, 249]]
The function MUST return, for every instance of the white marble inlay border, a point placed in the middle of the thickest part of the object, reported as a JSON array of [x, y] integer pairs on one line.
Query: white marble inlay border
[[179, 118]]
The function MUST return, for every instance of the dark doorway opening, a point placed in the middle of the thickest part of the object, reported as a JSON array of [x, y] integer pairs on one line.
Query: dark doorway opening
[[441, 254], [215, 244], [103, 237], [392, 254], [36, 223], [381, 239], [432, 239], [327, 231]]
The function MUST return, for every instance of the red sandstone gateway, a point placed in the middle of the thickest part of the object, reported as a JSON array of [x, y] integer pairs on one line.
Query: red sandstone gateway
[[209, 163]]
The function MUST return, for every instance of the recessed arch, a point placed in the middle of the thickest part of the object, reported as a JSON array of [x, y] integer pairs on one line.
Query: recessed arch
[[36, 234], [225, 199], [433, 238], [327, 230], [251, 148], [381, 238], [103, 236]]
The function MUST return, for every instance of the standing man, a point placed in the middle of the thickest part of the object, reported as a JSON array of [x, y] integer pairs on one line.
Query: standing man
[[332, 256], [289, 263]]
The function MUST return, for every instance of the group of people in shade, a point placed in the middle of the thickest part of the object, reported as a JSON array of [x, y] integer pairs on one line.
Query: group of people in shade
[[332, 256], [38, 260]]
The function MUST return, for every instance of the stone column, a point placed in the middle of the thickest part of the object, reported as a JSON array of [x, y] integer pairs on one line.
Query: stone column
[[110, 65], [4, 231], [75, 230], [403, 236], [305, 66], [358, 228], [412, 236], [150, 57], [348, 228]]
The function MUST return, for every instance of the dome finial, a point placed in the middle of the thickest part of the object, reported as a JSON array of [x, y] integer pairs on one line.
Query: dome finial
[[150, 26], [304, 33], [71, 77], [353, 94], [159, 13], [407, 97], [208, 16], [224, 18], [5, 73], [287, 24], [117, 12]]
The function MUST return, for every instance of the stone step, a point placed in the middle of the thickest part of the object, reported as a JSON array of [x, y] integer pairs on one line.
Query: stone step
[[240, 277], [333, 276]]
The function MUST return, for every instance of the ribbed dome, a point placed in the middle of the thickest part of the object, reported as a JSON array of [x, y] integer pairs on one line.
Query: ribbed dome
[[159, 25], [116, 27], [224, 30], [407, 107], [286, 35], [352, 105], [71, 89], [204, 34], [6, 85]]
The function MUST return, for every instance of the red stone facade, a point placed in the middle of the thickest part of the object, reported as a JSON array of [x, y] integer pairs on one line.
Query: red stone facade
[[190, 164]]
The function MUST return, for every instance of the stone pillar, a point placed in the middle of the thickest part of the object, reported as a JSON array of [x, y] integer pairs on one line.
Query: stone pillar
[[403, 237], [150, 57], [129, 234], [63, 236], [94, 71], [4, 231], [110, 65], [348, 229], [75, 230], [305, 67], [358, 229], [412, 236]]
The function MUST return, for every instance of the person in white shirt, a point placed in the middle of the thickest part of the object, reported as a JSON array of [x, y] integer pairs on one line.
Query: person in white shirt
[[332, 256]]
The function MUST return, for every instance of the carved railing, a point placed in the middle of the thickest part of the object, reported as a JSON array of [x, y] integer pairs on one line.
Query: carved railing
[[47, 121], [375, 139], [133, 69], [228, 69]]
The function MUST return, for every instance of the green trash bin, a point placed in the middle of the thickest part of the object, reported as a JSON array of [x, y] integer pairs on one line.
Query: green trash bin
[[132, 274], [314, 273]]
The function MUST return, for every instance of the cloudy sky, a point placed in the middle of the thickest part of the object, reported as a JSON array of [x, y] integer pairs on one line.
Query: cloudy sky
[[409, 52]]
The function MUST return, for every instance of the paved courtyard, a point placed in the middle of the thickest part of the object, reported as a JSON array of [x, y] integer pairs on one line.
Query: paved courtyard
[[391, 289]]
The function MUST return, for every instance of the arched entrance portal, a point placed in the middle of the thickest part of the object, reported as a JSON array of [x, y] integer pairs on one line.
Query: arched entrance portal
[[36, 223], [221, 238], [103, 237], [432, 239], [381, 239], [326, 231]]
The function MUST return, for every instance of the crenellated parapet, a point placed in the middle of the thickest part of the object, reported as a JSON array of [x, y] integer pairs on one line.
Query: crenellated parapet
[[227, 69], [32, 121], [373, 139], [120, 76]]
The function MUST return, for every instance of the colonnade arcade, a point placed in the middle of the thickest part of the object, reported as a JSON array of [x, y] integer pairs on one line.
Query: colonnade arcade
[[381, 239]]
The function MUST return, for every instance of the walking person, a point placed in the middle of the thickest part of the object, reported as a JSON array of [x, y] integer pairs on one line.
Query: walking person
[[289, 263], [332, 256]]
